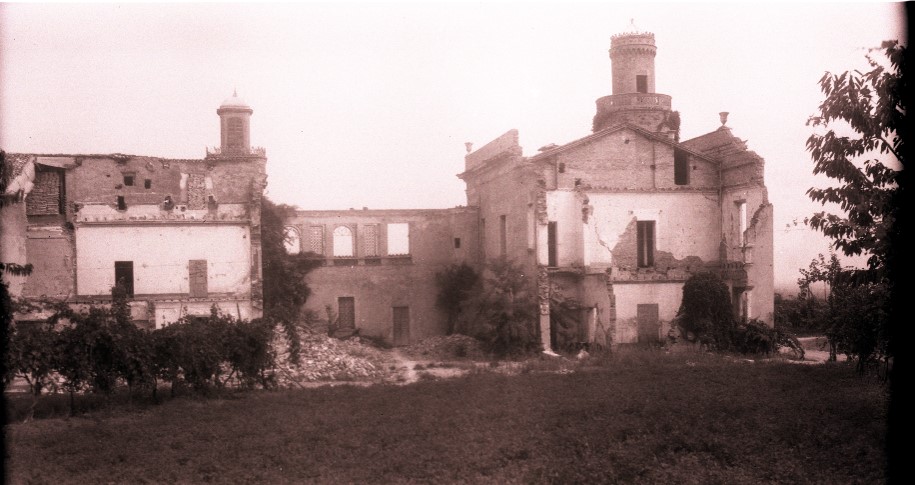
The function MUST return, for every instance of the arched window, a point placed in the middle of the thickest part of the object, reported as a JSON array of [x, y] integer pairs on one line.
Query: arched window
[[343, 242], [292, 240]]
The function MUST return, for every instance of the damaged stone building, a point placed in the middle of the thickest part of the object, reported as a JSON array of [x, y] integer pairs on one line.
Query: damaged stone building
[[609, 226], [181, 235]]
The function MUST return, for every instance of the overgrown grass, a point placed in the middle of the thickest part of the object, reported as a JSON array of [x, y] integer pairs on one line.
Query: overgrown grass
[[643, 417]]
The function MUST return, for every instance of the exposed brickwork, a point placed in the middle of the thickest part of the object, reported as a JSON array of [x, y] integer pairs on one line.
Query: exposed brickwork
[[44, 199]]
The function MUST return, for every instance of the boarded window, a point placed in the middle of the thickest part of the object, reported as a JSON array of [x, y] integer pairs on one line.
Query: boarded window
[[398, 239], [196, 191], [316, 239], [681, 167], [646, 243], [197, 278], [641, 84], [346, 312], [503, 236], [343, 242], [401, 325], [291, 240], [123, 275], [370, 240], [551, 240], [47, 196]]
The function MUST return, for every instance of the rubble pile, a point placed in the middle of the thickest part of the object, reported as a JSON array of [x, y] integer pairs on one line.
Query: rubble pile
[[446, 347], [327, 359]]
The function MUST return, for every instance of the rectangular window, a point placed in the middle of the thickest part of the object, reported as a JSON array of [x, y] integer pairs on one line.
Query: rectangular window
[[551, 239], [128, 180], [641, 84], [503, 236], [681, 167], [457, 243], [122, 205], [370, 240], [123, 275], [742, 224], [197, 278], [147, 184], [646, 243], [398, 239], [316, 239]]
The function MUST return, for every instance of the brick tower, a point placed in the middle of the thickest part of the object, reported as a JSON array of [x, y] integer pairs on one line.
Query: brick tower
[[634, 99]]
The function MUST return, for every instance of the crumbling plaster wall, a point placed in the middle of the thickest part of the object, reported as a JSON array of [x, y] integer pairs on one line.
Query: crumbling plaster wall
[[160, 255], [686, 224]]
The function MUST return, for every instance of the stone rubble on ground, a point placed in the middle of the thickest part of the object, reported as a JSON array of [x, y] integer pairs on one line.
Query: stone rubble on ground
[[324, 359], [446, 347]]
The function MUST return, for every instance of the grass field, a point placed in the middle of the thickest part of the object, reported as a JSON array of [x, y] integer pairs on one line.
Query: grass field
[[642, 417]]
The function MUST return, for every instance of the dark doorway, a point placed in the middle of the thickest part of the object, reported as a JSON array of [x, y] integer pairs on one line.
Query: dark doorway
[[649, 325], [401, 325], [346, 312]]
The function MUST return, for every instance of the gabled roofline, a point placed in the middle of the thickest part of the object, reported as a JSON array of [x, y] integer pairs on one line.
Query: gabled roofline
[[542, 157]]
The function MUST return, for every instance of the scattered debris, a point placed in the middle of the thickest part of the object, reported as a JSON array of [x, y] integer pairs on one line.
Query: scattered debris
[[446, 348], [325, 359]]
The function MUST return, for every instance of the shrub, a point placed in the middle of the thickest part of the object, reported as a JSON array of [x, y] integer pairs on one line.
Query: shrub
[[706, 310], [501, 310]]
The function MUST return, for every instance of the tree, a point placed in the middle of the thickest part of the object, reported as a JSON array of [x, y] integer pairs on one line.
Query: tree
[[285, 290], [706, 310], [873, 196], [501, 310], [455, 284]]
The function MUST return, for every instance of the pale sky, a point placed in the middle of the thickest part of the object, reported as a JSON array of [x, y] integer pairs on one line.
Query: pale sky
[[370, 104]]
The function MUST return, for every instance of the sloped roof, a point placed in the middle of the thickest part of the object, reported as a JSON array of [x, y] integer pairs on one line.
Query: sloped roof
[[613, 129]]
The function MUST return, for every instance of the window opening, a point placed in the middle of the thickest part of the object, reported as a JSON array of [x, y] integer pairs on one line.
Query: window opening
[[343, 242], [398, 239], [503, 236], [316, 239], [147, 184], [122, 205], [128, 180], [646, 236], [291, 240], [641, 83], [551, 238], [742, 210], [197, 278], [370, 240], [681, 167], [457, 243], [123, 275]]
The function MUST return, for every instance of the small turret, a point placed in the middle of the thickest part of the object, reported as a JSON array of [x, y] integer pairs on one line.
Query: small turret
[[235, 128], [633, 86]]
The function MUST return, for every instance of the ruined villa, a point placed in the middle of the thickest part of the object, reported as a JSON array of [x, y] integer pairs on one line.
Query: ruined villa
[[615, 221]]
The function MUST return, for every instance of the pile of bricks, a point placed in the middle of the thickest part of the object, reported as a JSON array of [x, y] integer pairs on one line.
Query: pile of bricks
[[325, 359]]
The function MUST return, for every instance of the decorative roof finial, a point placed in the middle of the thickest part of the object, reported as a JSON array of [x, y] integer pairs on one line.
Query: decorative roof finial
[[724, 117]]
